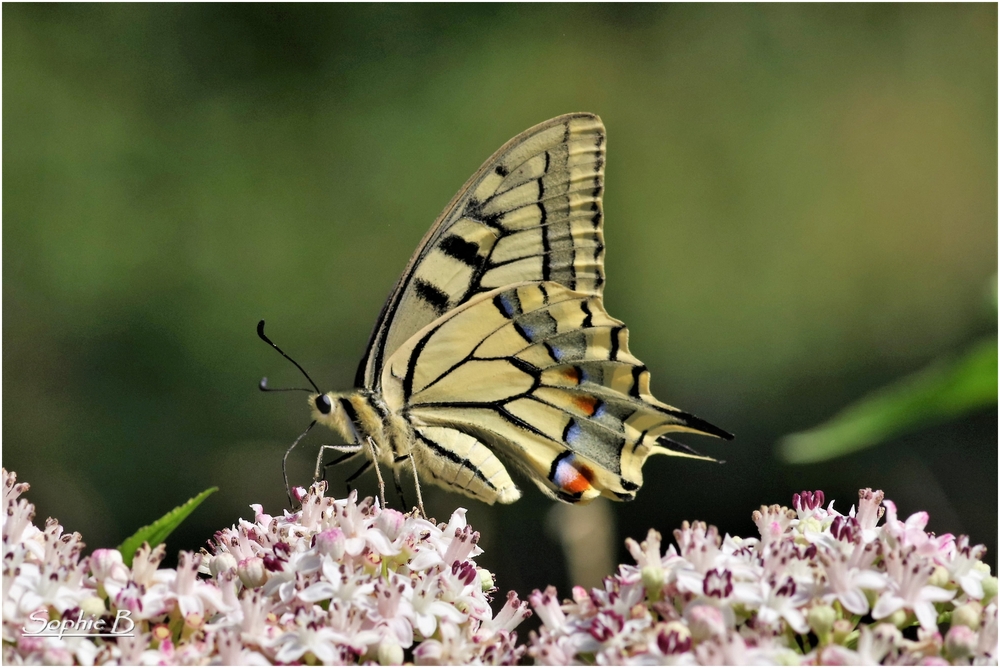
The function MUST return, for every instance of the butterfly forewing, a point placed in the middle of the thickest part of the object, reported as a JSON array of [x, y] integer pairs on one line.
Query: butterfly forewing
[[531, 213], [543, 375]]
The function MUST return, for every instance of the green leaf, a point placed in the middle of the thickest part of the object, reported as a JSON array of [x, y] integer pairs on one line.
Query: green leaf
[[157, 532], [942, 391]]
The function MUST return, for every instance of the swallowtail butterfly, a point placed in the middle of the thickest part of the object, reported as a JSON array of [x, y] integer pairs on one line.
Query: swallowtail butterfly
[[494, 347]]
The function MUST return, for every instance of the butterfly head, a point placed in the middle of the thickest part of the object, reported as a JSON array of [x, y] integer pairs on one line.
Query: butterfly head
[[347, 413], [322, 406], [328, 409]]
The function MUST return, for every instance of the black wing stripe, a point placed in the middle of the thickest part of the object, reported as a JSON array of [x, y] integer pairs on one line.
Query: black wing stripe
[[444, 452]]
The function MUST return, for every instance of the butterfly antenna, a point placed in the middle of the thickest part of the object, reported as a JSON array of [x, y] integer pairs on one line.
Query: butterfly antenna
[[263, 383], [284, 460]]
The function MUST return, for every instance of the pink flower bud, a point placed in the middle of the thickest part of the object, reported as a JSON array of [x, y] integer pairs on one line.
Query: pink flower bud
[[705, 621], [390, 522], [331, 542], [968, 614], [390, 653], [252, 572], [221, 563], [93, 606], [960, 642], [108, 565]]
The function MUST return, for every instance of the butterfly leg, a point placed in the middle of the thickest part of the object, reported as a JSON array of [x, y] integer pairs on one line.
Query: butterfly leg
[[357, 474], [378, 472], [397, 482], [284, 463], [348, 450], [339, 460], [416, 483]]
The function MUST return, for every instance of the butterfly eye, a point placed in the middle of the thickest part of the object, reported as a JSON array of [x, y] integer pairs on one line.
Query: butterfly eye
[[323, 404]]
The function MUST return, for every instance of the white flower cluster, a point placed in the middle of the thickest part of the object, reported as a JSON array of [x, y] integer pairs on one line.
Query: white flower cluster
[[346, 582], [337, 582], [817, 588]]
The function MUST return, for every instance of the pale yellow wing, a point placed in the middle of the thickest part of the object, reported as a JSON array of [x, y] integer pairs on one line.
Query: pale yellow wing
[[531, 213], [459, 462], [542, 375]]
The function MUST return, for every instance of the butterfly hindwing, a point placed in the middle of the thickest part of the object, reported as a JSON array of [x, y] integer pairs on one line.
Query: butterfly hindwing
[[454, 460], [531, 213], [542, 375]]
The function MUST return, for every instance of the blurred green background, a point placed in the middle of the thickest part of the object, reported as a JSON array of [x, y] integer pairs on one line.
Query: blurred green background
[[801, 206]]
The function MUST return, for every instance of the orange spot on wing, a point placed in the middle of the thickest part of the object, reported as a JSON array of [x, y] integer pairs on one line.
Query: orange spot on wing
[[576, 482], [573, 477], [572, 375], [586, 404]]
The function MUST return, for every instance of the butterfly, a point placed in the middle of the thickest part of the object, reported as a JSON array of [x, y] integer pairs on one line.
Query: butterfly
[[494, 347]]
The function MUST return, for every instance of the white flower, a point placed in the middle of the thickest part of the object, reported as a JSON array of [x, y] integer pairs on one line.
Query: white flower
[[772, 522], [706, 620], [394, 612], [191, 594], [547, 608], [288, 568], [342, 581], [222, 563], [143, 602], [331, 583], [910, 534], [869, 512], [964, 567], [321, 641], [251, 572], [513, 613], [109, 570], [359, 532], [775, 601], [847, 584], [452, 649], [646, 553], [338, 582], [987, 646], [48, 585], [908, 589], [145, 563], [874, 645], [428, 608]]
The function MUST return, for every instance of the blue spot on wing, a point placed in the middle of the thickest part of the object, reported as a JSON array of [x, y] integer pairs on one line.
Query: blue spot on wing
[[573, 433], [506, 305], [554, 351]]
